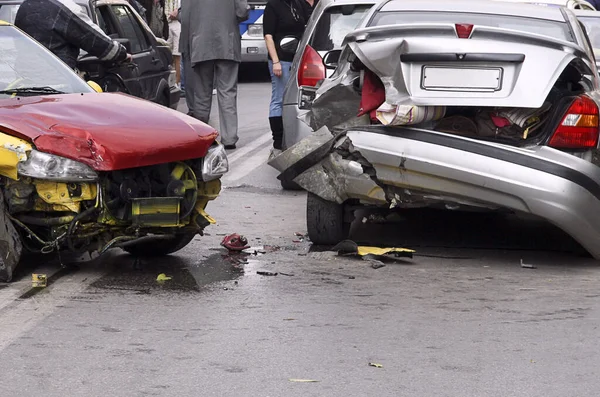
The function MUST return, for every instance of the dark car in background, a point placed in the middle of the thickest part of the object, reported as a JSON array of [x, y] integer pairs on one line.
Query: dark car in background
[[150, 76]]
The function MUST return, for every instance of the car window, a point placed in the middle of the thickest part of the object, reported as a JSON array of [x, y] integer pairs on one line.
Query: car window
[[131, 29], [559, 30], [592, 27], [8, 12], [25, 63], [335, 24]]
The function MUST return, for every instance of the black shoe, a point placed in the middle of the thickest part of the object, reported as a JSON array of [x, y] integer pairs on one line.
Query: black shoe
[[230, 147]]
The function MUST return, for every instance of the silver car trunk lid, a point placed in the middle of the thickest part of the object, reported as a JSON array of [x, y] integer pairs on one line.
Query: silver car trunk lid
[[492, 67]]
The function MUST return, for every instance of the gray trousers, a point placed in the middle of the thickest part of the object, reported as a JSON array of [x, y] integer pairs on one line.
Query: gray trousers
[[225, 74]]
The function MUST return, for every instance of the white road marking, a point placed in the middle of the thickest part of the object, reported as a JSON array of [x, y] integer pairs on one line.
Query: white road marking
[[247, 166], [23, 315], [235, 156]]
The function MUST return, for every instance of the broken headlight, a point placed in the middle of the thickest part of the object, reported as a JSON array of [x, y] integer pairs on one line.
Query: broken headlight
[[48, 166], [215, 163]]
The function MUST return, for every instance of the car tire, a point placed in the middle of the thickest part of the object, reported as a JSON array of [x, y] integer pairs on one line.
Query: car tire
[[112, 84], [164, 100], [325, 221], [159, 246], [287, 184]]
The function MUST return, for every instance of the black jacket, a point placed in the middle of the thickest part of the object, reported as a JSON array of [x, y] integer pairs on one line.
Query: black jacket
[[64, 28]]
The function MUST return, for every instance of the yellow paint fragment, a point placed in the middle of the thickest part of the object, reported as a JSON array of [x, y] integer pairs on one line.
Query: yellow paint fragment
[[38, 280], [362, 251], [162, 277]]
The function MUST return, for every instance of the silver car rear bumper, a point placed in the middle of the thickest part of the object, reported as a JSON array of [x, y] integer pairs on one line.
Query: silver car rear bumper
[[417, 167]]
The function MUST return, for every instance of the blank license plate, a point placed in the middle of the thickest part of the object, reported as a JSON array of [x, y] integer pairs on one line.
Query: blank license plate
[[461, 79]]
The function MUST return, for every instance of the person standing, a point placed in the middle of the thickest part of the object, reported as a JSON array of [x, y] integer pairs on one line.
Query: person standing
[[171, 9], [212, 51], [157, 18], [282, 18]]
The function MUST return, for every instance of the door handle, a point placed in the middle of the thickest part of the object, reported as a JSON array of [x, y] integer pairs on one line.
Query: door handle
[[155, 61]]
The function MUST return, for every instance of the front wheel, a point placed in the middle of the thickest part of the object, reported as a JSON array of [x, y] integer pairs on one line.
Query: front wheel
[[325, 221], [159, 246]]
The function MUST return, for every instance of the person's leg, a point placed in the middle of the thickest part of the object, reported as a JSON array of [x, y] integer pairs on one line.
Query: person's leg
[[202, 83], [174, 33], [276, 105], [177, 66], [226, 73], [189, 90], [181, 74]]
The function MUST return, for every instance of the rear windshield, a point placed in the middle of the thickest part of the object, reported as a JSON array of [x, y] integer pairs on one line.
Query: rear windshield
[[558, 30], [335, 24]]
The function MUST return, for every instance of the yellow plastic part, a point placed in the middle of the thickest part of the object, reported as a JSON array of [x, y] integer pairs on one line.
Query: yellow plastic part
[[12, 150], [57, 195], [362, 251], [95, 86], [207, 191]]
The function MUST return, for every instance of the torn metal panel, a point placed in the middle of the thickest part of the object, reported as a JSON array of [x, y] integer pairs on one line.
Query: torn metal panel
[[334, 106], [10, 244], [305, 153]]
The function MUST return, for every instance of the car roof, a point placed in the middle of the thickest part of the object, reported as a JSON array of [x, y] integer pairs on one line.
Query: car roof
[[327, 3], [587, 13], [106, 2], [81, 2], [478, 7]]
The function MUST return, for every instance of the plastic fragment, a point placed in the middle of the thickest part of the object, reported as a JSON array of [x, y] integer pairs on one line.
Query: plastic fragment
[[235, 242], [263, 273], [303, 380], [38, 280], [376, 365], [162, 277], [527, 266]]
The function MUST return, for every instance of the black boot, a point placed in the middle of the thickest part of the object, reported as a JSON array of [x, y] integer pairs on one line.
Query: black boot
[[277, 131]]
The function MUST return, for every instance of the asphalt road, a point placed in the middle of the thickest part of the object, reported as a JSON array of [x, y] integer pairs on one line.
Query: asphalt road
[[461, 318]]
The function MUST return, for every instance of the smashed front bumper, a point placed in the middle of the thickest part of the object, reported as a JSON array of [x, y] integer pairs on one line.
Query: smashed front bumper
[[404, 167]]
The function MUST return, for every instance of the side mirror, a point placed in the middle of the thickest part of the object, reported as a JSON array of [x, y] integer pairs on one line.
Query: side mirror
[[125, 43], [289, 44], [95, 86], [332, 58]]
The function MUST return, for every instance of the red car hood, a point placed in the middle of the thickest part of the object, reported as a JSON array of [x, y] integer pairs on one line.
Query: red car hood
[[106, 131]]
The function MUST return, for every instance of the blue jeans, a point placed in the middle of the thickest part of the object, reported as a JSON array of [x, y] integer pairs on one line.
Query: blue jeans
[[277, 87]]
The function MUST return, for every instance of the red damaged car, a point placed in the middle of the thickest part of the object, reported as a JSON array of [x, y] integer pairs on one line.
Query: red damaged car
[[84, 171]]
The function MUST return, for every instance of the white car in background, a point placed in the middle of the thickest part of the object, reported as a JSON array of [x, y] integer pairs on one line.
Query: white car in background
[[572, 4]]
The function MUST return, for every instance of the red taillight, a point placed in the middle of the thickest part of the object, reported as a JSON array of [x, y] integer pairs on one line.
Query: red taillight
[[463, 30], [579, 128], [312, 68]]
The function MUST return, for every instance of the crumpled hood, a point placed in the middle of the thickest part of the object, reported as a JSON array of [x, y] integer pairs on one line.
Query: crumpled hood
[[106, 131]]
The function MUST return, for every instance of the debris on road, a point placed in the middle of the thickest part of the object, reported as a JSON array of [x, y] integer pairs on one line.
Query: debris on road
[[527, 266], [39, 280], [235, 242], [376, 365], [375, 255], [304, 380], [300, 237], [162, 278], [264, 273]]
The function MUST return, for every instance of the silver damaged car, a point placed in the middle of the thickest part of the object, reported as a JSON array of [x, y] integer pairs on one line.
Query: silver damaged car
[[455, 104]]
